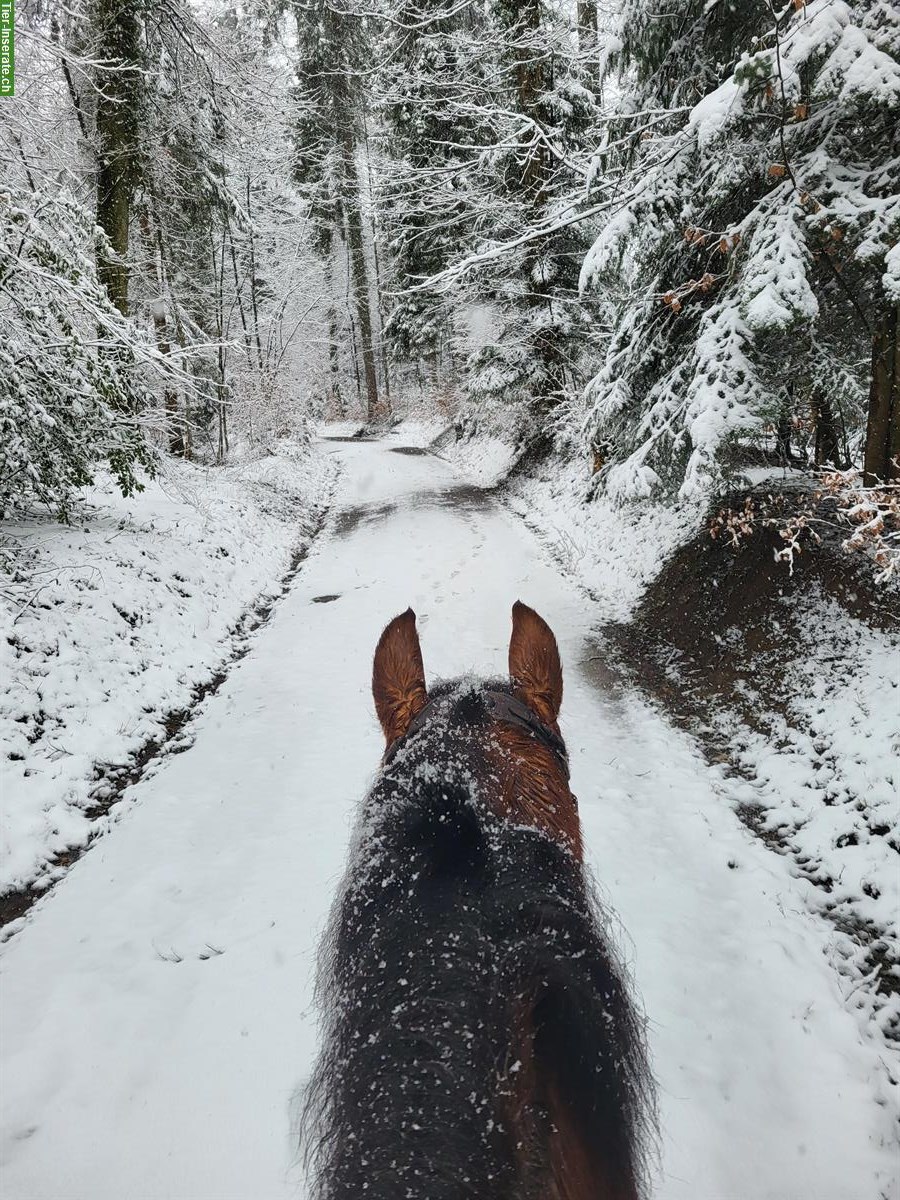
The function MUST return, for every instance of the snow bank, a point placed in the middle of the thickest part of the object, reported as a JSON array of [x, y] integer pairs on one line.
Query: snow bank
[[112, 622], [419, 431], [614, 550], [483, 460]]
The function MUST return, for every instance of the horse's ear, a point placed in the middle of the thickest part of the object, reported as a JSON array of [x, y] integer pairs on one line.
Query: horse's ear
[[534, 666], [398, 676]]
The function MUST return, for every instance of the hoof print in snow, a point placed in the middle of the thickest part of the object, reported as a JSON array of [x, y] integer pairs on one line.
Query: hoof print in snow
[[171, 957]]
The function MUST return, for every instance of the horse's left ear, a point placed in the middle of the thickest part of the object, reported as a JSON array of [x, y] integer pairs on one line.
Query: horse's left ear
[[534, 666], [398, 676]]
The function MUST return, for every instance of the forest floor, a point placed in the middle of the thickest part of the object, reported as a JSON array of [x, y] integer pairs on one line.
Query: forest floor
[[157, 1018]]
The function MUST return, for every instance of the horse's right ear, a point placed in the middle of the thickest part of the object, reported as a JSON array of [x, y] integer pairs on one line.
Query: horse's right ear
[[398, 676], [534, 666]]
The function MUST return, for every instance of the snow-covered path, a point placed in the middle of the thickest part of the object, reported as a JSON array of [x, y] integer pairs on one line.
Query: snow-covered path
[[156, 1008]]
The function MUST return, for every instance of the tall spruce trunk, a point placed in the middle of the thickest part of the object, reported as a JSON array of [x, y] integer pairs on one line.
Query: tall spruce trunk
[[359, 274], [117, 122], [828, 441], [533, 78], [587, 40], [883, 427], [373, 230], [159, 310], [335, 397], [784, 427], [530, 86]]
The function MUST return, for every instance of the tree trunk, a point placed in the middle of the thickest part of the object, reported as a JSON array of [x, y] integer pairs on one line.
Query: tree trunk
[[534, 76], [373, 228], [354, 354], [181, 339], [358, 271], [254, 282], [530, 86], [238, 291], [828, 441], [336, 403], [784, 428], [335, 397], [218, 267], [883, 428], [159, 309], [587, 41], [117, 117], [170, 396]]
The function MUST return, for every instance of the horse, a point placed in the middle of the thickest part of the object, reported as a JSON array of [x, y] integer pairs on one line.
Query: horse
[[479, 1041]]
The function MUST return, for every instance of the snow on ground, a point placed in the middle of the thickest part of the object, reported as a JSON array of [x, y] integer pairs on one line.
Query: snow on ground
[[613, 550], [156, 1007], [822, 774], [483, 460], [420, 431], [111, 622]]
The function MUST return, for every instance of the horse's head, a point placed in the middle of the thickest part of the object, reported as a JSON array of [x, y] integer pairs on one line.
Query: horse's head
[[505, 732]]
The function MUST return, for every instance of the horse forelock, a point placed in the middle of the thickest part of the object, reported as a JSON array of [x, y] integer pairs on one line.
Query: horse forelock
[[518, 773]]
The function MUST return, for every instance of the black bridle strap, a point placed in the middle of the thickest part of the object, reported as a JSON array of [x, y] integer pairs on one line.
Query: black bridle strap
[[501, 707], [513, 711]]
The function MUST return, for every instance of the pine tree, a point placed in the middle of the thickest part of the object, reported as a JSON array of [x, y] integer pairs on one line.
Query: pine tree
[[756, 160], [150, 114], [140, 141], [882, 454]]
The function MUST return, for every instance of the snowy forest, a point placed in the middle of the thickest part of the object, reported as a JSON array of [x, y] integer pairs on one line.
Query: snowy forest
[[665, 235], [315, 312]]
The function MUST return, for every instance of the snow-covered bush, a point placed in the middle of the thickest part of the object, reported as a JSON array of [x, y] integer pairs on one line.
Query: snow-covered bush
[[748, 243], [70, 392]]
